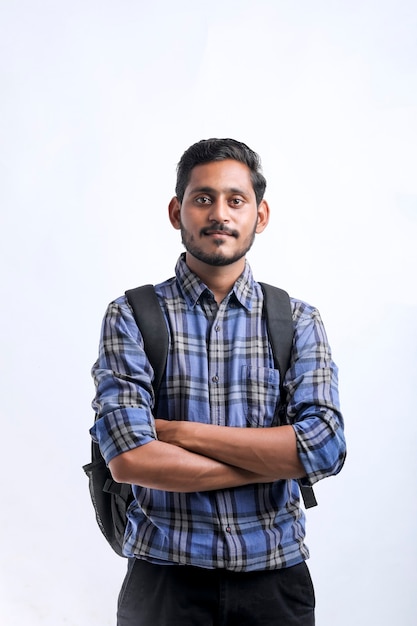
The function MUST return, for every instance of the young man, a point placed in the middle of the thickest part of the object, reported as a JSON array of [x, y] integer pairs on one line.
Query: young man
[[216, 533]]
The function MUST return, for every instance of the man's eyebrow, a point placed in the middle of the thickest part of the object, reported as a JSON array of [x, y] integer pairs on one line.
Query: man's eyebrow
[[202, 190], [211, 190]]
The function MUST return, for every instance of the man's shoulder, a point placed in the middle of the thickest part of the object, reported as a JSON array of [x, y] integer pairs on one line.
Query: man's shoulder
[[299, 307]]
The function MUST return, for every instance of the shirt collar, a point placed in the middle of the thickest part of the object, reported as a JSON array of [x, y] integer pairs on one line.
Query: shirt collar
[[193, 287]]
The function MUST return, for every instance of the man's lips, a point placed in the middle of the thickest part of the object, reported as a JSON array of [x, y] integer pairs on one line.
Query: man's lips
[[219, 232]]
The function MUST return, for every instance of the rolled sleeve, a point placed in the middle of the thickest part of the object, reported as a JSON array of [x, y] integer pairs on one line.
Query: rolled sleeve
[[123, 376], [122, 430], [314, 406]]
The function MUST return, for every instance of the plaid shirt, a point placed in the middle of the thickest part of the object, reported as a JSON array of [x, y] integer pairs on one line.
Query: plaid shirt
[[220, 370]]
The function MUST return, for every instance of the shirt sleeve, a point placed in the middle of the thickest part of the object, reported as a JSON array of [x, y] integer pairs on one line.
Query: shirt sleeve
[[123, 378], [313, 398]]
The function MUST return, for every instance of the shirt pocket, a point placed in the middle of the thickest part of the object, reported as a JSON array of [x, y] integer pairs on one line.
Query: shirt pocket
[[260, 387]]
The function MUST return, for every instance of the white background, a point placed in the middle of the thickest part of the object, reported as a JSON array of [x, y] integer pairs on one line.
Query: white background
[[98, 101]]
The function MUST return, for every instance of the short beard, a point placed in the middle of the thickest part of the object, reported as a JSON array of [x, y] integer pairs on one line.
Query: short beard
[[216, 259]]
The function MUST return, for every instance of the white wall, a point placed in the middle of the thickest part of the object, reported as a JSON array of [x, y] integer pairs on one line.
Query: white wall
[[98, 101]]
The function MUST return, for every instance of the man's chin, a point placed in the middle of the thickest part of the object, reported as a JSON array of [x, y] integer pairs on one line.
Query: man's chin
[[215, 259]]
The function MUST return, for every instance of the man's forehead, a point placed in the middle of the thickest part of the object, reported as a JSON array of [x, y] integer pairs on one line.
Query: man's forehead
[[229, 174]]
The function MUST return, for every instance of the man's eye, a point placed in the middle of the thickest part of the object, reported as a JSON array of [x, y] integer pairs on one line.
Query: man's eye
[[203, 200], [236, 201]]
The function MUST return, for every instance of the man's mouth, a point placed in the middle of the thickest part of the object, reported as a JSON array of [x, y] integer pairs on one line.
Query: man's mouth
[[220, 232]]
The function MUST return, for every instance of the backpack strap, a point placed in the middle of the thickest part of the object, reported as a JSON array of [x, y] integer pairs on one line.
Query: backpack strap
[[151, 322], [277, 307], [278, 311]]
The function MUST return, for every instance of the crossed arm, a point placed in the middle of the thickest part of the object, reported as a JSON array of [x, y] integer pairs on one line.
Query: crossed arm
[[190, 456]]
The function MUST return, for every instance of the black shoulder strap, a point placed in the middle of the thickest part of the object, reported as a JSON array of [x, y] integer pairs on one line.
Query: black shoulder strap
[[280, 325], [150, 320], [278, 311]]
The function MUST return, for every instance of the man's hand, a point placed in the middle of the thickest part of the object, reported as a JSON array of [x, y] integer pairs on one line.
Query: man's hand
[[173, 431]]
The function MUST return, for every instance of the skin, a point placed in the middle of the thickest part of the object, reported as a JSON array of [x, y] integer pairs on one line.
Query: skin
[[218, 219]]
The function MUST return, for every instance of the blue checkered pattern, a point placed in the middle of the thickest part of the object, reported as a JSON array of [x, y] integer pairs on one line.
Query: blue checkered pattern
[[220, 370]]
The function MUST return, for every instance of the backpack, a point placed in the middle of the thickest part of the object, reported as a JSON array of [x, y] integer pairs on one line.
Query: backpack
[[111, 499]]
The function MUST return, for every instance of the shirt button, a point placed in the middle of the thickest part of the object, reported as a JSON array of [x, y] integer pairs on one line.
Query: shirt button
[[215, 379], [228, 529], [217, 328]]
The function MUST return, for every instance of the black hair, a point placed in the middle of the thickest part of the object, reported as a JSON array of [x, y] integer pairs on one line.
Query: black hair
[[208, 150]]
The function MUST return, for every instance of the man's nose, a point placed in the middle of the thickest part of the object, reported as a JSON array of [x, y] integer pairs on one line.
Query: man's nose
[[219, 211]]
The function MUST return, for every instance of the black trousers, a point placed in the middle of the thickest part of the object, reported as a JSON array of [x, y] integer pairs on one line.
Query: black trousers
[[170, 595]]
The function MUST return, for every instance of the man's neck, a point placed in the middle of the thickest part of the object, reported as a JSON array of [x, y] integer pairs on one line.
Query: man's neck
[[219, 279]]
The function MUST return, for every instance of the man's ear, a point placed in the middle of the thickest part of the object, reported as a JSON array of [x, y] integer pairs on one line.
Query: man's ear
[[174, 209], [263, 216]]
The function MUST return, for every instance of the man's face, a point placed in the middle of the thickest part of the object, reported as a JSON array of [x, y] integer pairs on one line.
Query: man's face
[[218, 216]]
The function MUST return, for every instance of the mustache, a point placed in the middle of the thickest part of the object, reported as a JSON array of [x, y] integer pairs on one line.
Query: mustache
[[215, 228]]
